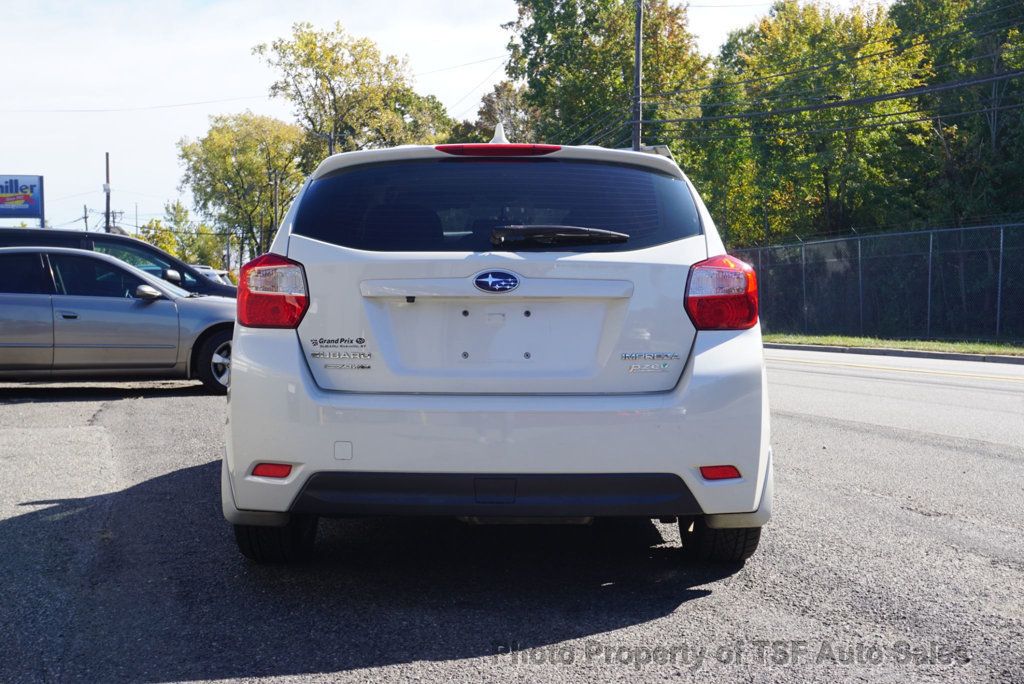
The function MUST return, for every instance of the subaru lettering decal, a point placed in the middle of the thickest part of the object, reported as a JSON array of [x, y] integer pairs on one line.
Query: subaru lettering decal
[[496, 281]]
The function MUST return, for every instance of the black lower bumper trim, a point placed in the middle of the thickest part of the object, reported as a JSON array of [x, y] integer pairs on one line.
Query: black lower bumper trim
[[465, 494]]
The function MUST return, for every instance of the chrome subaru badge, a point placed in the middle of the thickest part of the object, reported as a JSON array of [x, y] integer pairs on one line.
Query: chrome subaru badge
[[496, 281]]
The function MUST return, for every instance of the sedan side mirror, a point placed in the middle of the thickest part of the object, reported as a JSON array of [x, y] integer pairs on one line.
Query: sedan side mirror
[[147, 293], [171, 276]]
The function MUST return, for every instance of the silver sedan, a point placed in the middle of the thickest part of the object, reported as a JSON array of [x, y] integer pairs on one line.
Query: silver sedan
[[78, 314]]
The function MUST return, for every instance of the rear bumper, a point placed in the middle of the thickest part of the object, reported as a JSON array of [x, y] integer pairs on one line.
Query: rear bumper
[[529, 495], [376, 454]]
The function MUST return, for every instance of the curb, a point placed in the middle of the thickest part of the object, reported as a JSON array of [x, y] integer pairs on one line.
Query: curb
[[916, 353]]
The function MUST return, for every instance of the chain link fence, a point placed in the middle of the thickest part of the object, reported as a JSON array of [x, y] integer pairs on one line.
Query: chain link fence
[[949, 283]]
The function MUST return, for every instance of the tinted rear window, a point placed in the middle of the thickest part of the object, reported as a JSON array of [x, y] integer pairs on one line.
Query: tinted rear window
[[453, 205], [29, 237], [23, 274]]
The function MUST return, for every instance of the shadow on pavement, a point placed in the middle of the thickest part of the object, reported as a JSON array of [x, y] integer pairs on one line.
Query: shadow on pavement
[[146, 584], [57, 392]]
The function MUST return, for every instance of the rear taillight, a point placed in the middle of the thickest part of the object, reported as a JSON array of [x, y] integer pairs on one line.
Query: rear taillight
[[721, 294], [272, 293], [497, 149]]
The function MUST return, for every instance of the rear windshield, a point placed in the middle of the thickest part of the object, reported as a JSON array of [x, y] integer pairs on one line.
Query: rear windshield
[[453, 205]]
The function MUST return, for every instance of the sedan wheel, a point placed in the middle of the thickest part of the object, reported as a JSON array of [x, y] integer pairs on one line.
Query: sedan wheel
[[213, 364], [220, 363]]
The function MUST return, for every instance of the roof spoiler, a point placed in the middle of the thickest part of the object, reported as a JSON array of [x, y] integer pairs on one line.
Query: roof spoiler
[[660, 150]]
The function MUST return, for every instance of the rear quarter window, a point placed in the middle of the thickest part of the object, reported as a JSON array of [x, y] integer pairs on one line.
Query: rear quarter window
[[453, 205]]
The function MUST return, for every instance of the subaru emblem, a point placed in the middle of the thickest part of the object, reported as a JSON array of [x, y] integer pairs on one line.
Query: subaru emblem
[[496, 281]]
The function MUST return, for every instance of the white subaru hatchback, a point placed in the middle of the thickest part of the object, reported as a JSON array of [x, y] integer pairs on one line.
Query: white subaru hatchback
[[497, 331]]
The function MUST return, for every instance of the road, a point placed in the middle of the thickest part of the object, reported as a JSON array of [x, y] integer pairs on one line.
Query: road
[[896, 554]]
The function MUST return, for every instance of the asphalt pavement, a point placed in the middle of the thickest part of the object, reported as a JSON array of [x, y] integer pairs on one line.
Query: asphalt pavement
[[895, 554]]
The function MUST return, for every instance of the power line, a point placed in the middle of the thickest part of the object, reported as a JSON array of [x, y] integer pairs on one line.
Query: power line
[[848, 60], [68, 223], [131, 109], [819, 131], [752, 4], [174, 231], [567, 129], [175, 105], [608, 131], [582, 129], [64, 197], [459, 66], [792, 96], [475, 88], [853, 102], [807, 94]]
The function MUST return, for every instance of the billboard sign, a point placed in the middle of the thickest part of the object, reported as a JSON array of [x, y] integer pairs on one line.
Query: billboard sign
[[21, 197]]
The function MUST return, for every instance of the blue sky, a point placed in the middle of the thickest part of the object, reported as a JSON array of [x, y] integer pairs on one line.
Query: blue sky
[[113, 54]]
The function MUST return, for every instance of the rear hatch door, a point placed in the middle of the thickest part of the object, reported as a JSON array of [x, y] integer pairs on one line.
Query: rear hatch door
[[409, 294]]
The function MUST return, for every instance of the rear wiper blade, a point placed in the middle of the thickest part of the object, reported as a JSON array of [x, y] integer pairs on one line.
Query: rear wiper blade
[[551, 234]]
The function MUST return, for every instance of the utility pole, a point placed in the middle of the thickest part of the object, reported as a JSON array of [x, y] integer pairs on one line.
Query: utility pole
[[273, 228], [637, 71], [276, 201], [42, 204], [85, 217], [227, 251], [106, 190]]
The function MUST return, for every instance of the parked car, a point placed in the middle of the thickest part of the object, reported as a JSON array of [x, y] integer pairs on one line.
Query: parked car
[[140, 254], [498, 331], [78, 314], [217, 275]]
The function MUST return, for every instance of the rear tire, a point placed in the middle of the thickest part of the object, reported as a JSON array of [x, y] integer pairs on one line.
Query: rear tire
[[704, 544], [213, 364], [289, 544]]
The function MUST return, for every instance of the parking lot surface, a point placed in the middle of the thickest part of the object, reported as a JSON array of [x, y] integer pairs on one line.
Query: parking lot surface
[[896, 554]]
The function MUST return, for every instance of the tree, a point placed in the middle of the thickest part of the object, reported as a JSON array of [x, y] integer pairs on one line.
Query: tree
[[196, 242], [973, 161], [347, 95], [468, 131], [813, 167], [576, 57], [725, 168], [507, 104], [160, 236], [179, 235], [243, 174]]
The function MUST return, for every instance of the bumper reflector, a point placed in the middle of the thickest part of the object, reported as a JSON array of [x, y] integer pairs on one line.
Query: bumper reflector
[[719, 472], [277, 470]]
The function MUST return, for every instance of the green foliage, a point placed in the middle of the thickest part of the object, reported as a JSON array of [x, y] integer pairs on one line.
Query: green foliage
[[811, 171], [974, 162], [243, 174], [196, 242], [576, 58], [178, 234], [757, 127], [347, 95], [949, 346], [505, 103], [157, 234]]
